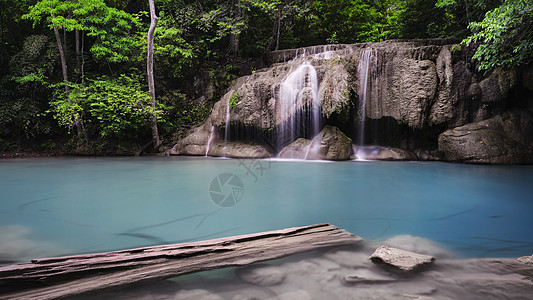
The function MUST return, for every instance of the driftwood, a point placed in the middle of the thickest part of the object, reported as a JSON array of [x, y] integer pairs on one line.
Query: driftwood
[[73, 275]]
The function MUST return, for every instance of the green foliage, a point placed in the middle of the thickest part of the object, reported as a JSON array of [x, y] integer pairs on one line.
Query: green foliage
[[455, 48], [23, 92], [113, 29], [35, 62], [190, 115], [233, 100], [349, 21], [172, 52], [506, 35], [116, 107]]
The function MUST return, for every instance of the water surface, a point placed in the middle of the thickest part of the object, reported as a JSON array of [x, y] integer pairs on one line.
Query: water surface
[[64, 206]]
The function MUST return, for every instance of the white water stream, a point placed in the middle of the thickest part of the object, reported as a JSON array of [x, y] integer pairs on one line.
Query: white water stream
[[299, 91], [366, 62]]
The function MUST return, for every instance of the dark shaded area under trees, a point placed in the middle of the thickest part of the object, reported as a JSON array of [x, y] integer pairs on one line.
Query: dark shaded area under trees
[[73, 73]]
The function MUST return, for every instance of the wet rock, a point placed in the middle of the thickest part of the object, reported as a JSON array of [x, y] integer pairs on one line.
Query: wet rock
[[348, 259], [503, 139], [296, 150], [366, 276], [497, 85], [240, 150], [528, 260], [401, 259], [330, 144], [382, 153], [295, 295], [418, 245], [428, 154], [262, 275], [196, 294], [194, 144], [416, 297], [426, 85]]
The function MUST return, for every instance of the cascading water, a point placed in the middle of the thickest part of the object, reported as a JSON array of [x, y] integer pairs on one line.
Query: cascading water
[[366, 61], [226, 129], [210, 140], [298, 91]]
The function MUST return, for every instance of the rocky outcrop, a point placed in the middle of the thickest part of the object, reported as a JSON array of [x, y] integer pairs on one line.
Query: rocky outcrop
[[296, 150], [504, 139], [240, 150], [427, 86], [528, 260], [401, 259], [382, 153], [330, 144], [193, 144]]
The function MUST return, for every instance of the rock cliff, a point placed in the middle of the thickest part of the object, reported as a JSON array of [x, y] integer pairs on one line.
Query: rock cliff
[[400, 94]]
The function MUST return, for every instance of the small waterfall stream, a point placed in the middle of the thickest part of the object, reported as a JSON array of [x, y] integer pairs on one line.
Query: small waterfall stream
[[210, 140], [366, 62], [226, 129], [298, 91]]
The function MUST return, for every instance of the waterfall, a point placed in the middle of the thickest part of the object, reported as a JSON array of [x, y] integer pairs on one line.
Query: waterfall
[[210, 140], [366, 61], [298, 91], [226, 130]]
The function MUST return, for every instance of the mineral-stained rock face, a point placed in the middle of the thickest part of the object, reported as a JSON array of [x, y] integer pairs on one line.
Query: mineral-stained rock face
[[417, 84], [193, 144], [401, 259], [330, 144], [240, 150], [504, 139], [382, 153], [296, 150]]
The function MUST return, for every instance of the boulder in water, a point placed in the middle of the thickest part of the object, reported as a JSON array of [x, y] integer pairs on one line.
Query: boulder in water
[[503, 139], [296, 150], [382, 153], [330, 144], [401, 259], [240, 150], [528, 260]]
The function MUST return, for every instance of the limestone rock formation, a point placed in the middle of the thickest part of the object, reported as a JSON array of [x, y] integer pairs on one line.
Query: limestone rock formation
[[239, 150], [504, 139], [528, 260], [193, 144], [401, 259], [296, 150], [427, 86], [330, 144], [382, 153]]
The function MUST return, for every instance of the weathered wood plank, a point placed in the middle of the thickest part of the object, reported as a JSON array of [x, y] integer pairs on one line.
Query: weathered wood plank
[[72, 275]]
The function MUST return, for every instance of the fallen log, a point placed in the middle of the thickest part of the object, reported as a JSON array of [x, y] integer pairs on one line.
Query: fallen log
[[50, 278]]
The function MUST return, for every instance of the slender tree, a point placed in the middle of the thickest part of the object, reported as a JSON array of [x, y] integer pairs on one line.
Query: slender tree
[[150, 72]]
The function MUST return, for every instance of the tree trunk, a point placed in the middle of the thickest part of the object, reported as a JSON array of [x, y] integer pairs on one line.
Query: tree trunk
[[150, 72], [234, 37], [62, 57], [77, 37], [277, 28], [73, 275], [82, 68], [77, 121]]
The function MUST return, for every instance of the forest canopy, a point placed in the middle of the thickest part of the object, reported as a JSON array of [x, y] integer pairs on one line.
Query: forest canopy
[[73, 72]]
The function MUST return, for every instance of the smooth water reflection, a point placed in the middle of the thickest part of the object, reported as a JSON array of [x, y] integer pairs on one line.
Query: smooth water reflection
[[79, 205]]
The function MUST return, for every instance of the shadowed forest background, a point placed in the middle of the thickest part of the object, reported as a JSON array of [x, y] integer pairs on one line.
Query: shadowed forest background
[[73, 73]]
